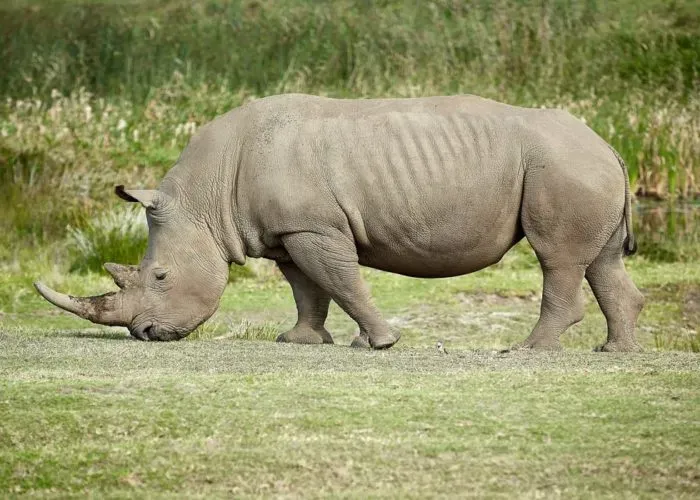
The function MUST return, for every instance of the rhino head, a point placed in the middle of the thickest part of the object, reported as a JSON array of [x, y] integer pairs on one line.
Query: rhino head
[[176, 287]]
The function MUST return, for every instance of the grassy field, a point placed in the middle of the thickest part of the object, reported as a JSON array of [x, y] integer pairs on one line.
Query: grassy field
[[98, 93], [86, 410], [103, 416]]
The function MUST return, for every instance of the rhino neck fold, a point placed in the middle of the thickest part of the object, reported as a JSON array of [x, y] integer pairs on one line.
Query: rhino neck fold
[[221, 211], [228, 238], [204, 180], [231, 241]]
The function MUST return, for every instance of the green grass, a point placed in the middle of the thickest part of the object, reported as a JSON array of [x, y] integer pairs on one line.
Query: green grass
[[106, 416], [130, 48], [117, 236], [228, 412]]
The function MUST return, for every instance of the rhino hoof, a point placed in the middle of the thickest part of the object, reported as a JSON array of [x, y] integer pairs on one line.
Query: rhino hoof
[[360, 342], [385, 342], [619, 347], [302, 336]]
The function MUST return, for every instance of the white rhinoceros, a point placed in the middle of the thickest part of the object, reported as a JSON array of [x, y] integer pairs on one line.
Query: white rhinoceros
[[429, 187]]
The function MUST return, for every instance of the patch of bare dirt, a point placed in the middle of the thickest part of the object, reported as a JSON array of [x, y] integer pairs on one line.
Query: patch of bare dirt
[[497, 299]]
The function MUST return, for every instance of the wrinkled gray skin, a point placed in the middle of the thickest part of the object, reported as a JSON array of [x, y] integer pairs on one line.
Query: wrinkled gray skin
[[429, 187]]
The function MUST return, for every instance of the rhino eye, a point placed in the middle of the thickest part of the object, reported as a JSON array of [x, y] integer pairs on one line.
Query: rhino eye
[[160, 273]]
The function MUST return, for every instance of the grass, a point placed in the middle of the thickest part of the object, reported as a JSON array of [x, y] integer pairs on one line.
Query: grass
[[129, 48], [96, 94], [86, 410], [110, 417], [118, 236]]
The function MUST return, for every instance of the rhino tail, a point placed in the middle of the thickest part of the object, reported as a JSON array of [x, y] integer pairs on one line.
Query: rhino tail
[[629, 246]]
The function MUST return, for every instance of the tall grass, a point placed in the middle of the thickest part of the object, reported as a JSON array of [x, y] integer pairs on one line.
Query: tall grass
[[541, 48], [104, 93], [115, 236]]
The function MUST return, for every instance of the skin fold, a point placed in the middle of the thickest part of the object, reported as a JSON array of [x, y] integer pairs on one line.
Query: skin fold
[[426, 187]]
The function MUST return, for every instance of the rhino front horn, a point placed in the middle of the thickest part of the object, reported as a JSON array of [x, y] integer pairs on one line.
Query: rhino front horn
[[107, 309]]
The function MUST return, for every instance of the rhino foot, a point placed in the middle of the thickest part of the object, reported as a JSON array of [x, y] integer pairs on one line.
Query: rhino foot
[[384, 341], [539, 345], [361, 341], [631, 346], [306, 335], [364, 341]]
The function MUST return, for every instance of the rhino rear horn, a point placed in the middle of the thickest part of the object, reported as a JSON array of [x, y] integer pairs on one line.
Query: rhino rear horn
[[123, 276]]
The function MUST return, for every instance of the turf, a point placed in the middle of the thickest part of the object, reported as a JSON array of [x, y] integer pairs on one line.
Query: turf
[[89, 411], [109, 416]]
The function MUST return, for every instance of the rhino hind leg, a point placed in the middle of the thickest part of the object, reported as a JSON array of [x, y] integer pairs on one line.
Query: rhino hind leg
[[312, 307], [331, 262], [617, 296], [568, 213], [562, 306]]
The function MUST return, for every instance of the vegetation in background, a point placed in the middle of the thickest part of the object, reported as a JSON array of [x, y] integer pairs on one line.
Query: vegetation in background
[[116, 236], [542, 49], [102, 93], [669, 232]]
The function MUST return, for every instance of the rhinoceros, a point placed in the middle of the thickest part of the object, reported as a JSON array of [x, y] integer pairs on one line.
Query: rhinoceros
[[423, 187]]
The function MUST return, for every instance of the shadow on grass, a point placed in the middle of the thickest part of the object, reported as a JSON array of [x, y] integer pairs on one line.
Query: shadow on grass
[[89, 334]]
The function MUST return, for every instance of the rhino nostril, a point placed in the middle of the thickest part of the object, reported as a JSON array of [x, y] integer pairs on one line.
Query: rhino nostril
[[142, 331], [147, 331]]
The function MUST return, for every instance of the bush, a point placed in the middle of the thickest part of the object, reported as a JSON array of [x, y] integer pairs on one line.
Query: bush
[[119, 235]]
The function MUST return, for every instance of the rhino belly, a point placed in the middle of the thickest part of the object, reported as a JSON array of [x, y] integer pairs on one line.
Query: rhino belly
[[441, 240]]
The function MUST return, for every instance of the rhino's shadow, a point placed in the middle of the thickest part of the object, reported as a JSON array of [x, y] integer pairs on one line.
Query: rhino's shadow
[[91, 334]]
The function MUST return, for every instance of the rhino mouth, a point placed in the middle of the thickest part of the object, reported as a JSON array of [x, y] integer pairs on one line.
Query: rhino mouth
[[150, 330]]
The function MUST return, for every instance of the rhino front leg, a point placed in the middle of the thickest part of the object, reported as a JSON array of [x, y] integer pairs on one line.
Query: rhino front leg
[[330, 260], [312, 307]]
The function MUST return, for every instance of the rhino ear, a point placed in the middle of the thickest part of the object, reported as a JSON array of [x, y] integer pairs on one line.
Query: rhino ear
[[149, 198]]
